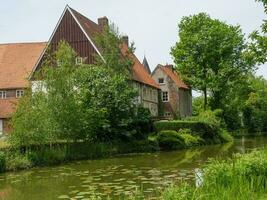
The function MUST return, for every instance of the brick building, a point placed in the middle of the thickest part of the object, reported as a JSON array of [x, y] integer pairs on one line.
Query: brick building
[[176, 95]]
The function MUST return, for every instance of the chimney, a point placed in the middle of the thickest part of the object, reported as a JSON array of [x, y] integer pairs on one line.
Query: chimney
[[125, 40], [103, 22], [170, 66]]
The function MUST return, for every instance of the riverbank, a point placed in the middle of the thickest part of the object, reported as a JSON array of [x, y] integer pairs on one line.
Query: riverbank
[[119, 176], [242, 177], [56, 154]]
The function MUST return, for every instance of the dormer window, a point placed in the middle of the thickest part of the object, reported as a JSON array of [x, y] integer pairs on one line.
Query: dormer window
[[2, 94], [79, 61], [161, 80], [19, 93]]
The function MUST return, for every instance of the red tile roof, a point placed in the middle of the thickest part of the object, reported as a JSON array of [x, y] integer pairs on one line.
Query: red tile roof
[[168, 69], [7, 107], [139, 72], [16, 63]]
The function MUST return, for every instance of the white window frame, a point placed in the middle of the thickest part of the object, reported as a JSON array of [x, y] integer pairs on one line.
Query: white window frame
[[79, 61], [165, 98], [3, 94], [19, 93], [162, 82]]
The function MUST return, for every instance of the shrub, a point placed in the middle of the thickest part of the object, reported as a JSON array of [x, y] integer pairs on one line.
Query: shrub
[[170, 140], [225, 136], [17, 161], [189, 139], [203, 129], [47, 156], [2, 162]]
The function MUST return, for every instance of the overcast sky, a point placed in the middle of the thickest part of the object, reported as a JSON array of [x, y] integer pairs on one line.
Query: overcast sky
[[151, 24]]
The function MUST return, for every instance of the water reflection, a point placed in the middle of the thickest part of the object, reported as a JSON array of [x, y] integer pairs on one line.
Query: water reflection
[[120, 176]]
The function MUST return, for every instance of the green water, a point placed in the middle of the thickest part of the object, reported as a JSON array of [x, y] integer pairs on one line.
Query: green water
[[117, 177]]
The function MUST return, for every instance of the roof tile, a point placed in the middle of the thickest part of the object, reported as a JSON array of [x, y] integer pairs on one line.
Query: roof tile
[[16, 63]]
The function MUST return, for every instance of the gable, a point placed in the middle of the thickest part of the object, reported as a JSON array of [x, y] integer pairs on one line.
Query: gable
[[70, 30]]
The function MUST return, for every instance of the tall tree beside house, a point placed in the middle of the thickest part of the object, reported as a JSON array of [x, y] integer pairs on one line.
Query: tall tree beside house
[[110, 42], [210, 56], [32, 122]]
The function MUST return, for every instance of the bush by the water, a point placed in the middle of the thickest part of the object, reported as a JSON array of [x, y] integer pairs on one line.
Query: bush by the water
[[243, 177], [16, 161], [206, 128], [170, 139]]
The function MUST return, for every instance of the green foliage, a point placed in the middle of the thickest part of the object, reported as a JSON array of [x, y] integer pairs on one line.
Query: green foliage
[[257, 46], [181, 192], [109, 100], [2, 162], [47, 156], [255, 116], [205, 130], [243, 177], [209, 56], [190, 139], [16, 161], [197, 105], [225, 136], [213, 118], [170, 140], [32, 123], [113, 59]]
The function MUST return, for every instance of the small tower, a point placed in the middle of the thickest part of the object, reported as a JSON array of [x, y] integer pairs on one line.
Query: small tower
[[146, 65]]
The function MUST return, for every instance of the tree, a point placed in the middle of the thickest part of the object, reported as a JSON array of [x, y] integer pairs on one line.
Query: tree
[[209, 56], [258, 44], [255, 116], [32, 122], [110, 41]]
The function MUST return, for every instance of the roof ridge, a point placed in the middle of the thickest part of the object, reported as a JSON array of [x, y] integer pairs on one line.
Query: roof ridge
[[76, 12]]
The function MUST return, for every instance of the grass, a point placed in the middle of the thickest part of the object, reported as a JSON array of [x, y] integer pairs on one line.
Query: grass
[[243, 177]]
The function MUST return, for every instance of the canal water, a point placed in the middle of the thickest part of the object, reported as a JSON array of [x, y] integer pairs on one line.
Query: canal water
[[118, 177]]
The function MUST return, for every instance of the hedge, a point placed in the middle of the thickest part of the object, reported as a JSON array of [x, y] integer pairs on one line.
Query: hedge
[[200, 128]]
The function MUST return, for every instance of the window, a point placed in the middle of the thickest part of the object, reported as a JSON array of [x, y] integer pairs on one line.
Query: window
[[19, 93], [165, 96], [79, 61], [2, 94], [161, 80]]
